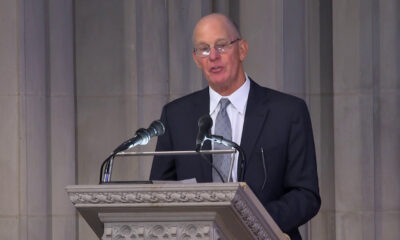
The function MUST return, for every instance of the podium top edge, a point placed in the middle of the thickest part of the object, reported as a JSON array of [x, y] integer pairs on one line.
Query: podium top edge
[[169, 153], [155, 187]]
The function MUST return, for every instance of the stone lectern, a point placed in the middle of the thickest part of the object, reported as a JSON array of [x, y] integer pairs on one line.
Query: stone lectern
[[174, 211]]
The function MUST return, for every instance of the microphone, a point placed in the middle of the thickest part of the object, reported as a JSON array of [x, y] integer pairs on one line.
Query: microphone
[[205, 123], [142, 136]]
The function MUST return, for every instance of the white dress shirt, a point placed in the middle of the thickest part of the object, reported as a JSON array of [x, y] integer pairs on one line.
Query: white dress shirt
[[236, 111]]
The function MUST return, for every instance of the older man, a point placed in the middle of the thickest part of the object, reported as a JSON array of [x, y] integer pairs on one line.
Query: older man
[[273, 128]]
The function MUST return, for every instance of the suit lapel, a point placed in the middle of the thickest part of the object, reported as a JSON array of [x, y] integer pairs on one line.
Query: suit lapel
[[256, 114]]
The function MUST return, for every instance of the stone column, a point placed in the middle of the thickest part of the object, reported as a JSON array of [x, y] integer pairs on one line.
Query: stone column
[[353, 119], [386, 119], [366, 116], [61, 107], [152, 64], [37, 127], [10, 83], [264, 62], [319, 85], [106, 86]]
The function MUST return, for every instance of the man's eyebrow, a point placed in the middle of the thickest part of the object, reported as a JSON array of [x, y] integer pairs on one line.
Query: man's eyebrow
[[218, 40], [201, 43]]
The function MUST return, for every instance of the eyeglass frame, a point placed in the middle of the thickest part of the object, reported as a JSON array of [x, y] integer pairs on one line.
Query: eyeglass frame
[[220, 51]]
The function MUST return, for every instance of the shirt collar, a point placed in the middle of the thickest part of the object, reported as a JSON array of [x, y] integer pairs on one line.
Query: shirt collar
[[238, 98]]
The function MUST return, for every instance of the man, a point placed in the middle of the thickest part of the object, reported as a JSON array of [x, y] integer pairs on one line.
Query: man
[[273, 128]]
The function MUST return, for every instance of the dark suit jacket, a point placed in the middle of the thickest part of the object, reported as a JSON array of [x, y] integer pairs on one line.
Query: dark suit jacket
[[276, 122]]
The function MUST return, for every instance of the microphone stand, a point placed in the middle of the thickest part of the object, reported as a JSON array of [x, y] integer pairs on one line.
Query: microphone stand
[[228, 143], [106, 167]]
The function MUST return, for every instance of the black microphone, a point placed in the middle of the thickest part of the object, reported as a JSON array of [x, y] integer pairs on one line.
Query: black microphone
[[205, 123], [142, 136]]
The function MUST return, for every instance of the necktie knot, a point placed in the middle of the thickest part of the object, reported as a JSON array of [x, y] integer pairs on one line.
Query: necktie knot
[[224, 102]]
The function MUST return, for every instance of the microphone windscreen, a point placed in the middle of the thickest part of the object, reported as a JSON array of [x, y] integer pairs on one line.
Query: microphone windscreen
[[205, 123], [157, 128]]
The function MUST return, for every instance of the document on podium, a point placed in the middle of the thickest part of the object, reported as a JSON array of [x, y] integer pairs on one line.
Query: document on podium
[[190, 180]]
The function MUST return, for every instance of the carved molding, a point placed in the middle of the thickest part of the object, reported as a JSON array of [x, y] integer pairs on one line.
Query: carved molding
[[157, 231], [251, 220], [150, 197]]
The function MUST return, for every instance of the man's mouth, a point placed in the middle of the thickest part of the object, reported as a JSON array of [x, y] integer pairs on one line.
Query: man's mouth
[[216, 69]]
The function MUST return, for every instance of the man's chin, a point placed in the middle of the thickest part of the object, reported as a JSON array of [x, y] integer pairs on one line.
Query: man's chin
[[217, 80], [219, 87]]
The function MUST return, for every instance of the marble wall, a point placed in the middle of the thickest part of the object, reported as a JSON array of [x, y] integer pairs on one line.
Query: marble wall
[[366, 82], [37, 123], [9, 126], [79, 77]]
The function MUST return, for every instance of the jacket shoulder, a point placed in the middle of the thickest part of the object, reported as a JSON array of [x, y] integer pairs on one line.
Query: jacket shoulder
[[188, 100], [278, 98]]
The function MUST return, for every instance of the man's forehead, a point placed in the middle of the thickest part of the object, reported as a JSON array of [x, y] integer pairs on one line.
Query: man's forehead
[[212, 28], [211, 36]]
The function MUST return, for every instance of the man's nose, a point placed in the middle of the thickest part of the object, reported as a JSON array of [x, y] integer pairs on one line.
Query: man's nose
[[214, 54]]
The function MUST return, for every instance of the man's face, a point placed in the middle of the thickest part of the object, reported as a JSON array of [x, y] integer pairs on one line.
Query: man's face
[[223, 71]]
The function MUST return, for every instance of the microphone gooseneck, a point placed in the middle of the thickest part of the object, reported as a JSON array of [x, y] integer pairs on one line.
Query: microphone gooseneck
[[142, 137]]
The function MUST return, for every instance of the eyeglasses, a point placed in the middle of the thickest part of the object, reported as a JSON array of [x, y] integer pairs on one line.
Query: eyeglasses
[[222, 46]]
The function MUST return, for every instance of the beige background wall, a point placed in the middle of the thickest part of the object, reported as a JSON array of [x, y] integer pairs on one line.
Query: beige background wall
[[79, 77]]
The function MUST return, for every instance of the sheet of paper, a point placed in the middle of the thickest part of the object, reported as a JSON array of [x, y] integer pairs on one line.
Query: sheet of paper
[[191, 180]]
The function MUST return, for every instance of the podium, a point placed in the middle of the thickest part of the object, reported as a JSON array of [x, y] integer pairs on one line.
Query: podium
[[174, 211]]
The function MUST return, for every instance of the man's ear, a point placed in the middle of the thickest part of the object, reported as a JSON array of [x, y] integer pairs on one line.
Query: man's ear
[[243, 48], [196, 60]]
